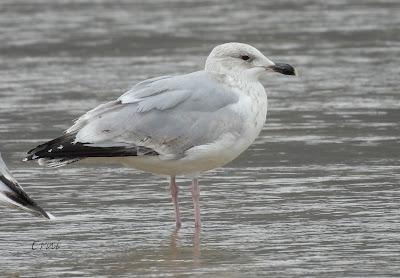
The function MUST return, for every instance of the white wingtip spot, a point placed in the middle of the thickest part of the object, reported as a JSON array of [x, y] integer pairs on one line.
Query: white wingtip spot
[[52, 217]]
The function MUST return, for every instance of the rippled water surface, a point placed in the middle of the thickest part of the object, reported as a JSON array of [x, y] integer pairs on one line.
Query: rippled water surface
[[317, 195]]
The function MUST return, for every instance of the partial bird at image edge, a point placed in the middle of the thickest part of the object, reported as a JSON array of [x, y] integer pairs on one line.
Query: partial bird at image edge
[[13, 195]]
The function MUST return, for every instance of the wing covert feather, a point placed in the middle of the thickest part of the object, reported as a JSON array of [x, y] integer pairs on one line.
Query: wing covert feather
[[168, 114]]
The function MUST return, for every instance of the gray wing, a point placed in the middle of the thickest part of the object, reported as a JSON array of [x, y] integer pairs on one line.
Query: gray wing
[[167, 114]]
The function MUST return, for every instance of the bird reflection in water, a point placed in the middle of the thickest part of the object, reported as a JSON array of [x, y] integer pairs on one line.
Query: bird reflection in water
[[172, 256], [175, 249]]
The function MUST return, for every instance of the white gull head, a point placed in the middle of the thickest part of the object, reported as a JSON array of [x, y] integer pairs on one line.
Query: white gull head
[[243, 60]]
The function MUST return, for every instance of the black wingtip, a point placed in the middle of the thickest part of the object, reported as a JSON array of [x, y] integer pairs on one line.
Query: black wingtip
[[64, 150], [18, 198], [12, 194]]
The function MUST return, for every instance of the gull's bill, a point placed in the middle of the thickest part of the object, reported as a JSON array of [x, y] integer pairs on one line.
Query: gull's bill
[[12, 194], [282, 68]]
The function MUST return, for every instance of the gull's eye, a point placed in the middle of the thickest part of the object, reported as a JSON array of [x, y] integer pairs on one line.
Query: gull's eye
[[245, 57]]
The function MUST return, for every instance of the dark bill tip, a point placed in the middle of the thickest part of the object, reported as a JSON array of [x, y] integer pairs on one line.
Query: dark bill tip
[[283, 68]]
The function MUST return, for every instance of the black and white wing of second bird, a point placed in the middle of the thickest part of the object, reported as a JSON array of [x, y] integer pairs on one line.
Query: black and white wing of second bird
[[13, 195]]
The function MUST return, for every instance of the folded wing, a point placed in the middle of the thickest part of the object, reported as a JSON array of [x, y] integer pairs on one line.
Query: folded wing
[[162, 116]]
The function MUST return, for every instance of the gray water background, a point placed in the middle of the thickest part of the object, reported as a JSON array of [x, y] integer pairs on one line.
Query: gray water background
[[317, 195]]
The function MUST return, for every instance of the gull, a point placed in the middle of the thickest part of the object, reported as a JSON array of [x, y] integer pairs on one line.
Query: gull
[[175, 125], [12, 194]]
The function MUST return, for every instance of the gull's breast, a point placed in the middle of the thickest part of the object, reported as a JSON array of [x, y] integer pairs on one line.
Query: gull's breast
[[252, 106]]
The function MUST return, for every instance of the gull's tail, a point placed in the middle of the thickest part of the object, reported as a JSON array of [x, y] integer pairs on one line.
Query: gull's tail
[[13, 195]]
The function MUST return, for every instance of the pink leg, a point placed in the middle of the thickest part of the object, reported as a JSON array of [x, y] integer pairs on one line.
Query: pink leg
[[174, 194], [196, 205]]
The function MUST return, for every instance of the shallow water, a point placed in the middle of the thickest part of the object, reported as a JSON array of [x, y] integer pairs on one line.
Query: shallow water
[[316, 195]]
